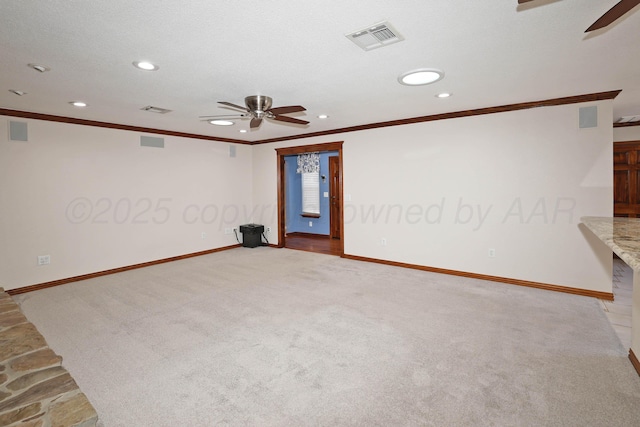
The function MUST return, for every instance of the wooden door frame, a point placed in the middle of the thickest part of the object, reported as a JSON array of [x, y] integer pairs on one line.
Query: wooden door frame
[[335, 224], [288, 151]]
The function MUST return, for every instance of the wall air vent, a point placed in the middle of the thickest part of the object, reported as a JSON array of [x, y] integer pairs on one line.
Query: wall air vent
[[153, 109], [375, 36], [150, 141]]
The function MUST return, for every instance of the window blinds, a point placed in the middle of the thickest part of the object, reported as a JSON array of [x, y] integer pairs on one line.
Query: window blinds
[[311, 193]]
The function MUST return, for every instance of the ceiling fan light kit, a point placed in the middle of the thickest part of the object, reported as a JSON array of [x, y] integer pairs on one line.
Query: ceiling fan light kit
[[259, 104]]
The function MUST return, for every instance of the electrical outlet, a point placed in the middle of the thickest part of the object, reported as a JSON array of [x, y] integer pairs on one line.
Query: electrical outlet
[[310, 223], [44, 259], [227, 231], [492, 253], [383, 242], [268, 230], [235, 229], [203, 235]]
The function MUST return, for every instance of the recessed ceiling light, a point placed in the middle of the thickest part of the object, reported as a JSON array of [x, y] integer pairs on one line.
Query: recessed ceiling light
[[322, 116], [78, 103], [423, 76], [145, 65], [17, 92], [443, 95], [243, 131], [221, 122], [39, 68]]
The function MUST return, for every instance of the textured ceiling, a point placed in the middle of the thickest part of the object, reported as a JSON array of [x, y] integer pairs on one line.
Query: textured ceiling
[[493, 52]]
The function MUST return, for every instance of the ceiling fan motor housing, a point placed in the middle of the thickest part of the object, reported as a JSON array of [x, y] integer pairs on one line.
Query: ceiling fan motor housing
[[258, 105]]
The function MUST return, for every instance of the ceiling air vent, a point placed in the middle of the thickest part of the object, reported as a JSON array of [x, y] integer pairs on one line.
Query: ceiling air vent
[[628, 119], [375, 36], [153, 109]]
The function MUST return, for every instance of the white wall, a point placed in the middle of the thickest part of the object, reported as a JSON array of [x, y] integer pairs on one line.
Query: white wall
[[446, 192], [443, 193], [94, 199], [631, 133]]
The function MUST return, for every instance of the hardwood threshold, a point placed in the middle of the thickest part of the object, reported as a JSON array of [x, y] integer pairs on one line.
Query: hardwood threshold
[[311, 235]]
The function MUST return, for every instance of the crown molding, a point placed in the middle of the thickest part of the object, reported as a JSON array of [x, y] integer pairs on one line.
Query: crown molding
[[600, 96], [94, 123]]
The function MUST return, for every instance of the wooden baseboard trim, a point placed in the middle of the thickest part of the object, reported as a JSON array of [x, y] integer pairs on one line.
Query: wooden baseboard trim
[[634, 361], [556, 288], [59, 282]]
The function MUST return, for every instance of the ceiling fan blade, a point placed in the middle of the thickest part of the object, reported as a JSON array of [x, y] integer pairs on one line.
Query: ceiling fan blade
[[221, 116], [228, 104], [255, 123], [290, 120], [613, 14], [288, 109]]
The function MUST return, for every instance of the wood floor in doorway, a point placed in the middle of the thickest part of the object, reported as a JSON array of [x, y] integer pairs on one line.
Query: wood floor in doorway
[[313, 243]]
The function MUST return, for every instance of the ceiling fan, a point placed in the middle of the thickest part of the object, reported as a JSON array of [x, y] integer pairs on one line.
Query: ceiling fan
[[258, 107], [612, 15]]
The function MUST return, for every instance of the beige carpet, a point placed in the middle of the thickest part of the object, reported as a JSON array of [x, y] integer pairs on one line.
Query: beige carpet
[[280, 337]]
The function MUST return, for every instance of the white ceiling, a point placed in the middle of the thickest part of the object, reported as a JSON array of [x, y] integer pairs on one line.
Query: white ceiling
[[493, 53]]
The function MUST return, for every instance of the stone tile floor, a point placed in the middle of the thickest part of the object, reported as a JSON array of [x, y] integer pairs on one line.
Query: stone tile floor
[[619, 310], [35, 390]]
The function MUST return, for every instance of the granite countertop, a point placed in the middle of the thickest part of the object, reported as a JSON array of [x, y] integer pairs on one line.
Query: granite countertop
[[622, 235]]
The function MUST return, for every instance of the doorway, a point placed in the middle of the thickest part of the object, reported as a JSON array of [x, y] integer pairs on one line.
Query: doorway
[[333, 242]]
